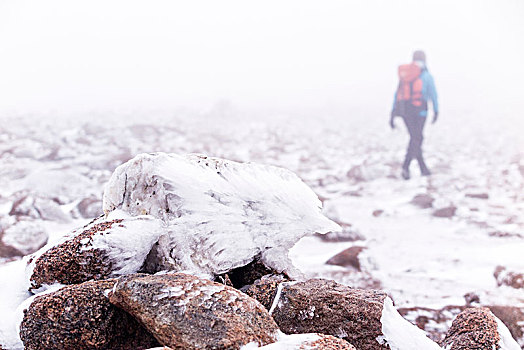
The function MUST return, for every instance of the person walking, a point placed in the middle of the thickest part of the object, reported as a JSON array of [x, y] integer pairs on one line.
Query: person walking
[[416, 87]]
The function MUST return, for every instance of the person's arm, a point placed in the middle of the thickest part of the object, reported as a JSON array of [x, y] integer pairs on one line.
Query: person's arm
[[392, 117], [432, 95]]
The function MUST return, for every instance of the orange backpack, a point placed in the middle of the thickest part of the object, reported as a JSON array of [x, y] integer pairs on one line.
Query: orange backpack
[[410, 84]]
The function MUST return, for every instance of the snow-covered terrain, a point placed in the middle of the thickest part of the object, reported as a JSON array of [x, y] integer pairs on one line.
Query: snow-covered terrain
[[353, 166]]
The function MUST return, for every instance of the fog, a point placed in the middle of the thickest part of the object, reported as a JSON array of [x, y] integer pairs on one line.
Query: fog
[[335, 58]]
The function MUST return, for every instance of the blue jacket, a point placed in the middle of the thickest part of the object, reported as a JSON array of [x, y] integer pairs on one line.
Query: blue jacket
[[429, 92]]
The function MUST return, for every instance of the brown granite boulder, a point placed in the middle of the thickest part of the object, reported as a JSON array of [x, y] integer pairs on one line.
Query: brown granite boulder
[[81, 317], [327, 307], [265, 289], [101, 250], [435, 322], [474, 328], [347, 258], [187, 312]]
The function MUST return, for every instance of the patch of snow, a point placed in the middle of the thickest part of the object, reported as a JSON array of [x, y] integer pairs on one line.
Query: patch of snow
[[506, 340], [399, 334]]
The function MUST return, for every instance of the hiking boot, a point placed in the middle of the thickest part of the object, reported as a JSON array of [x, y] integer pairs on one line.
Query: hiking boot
[[405, 173]]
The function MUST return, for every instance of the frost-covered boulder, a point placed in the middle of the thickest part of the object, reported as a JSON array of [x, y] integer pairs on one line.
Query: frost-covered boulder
[[311, 341], [89, 207], [22, 238], [220, 213], [36, 207], [478, 328], [364, 318], [105, 248], [187, 312], [81, 317]]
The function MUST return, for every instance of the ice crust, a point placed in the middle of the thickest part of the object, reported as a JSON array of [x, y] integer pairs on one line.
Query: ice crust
[[399, 334], [219, 214], [128, 244]]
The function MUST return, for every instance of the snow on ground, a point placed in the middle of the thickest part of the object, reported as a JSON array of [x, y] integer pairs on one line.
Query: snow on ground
[[352, 165]]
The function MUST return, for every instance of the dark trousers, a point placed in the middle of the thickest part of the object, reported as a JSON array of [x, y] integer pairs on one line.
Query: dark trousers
[[415, 124]]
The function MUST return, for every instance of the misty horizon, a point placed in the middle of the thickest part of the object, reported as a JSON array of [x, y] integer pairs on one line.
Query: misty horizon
[[304, 58]]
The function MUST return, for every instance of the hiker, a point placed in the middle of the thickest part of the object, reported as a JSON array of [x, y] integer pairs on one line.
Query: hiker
[[415, 88]]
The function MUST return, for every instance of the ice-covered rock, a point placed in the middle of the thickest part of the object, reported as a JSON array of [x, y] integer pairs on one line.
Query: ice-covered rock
[[187, 312], [310, 341], [220, 213], [81, 317], [107, 247], [22, 238], [90, 207], [364, 318], [478, 328]]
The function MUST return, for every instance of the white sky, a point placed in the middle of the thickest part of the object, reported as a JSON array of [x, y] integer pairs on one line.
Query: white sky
[[323, 57]]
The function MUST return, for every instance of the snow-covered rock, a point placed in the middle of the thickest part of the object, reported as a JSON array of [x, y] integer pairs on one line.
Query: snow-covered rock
[[107, 247], [38, 208], [187, 312], [22, 238], [220, 213], [478, 328]]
